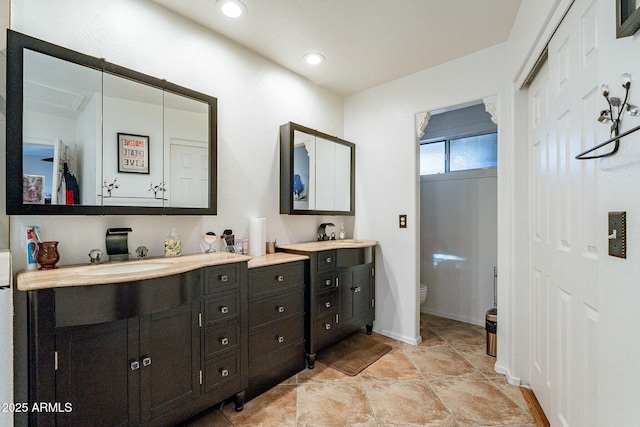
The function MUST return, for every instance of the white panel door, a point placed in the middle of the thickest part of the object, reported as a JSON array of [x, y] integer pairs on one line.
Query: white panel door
[[564, 103], [189, 176]]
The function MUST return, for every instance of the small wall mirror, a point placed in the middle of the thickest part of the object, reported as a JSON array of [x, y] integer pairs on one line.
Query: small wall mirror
[[85, 136], [317, 172]]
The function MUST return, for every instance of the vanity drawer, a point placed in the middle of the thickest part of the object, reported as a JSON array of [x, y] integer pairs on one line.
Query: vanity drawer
[[219, 279], [276, 337], [267, 280], [275, 308], [221, 308], [326, 260], [325, 304], [326, 282], [221, 370], [326, 325], [221, 338]]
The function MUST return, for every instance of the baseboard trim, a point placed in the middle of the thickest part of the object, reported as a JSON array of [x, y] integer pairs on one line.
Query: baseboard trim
[[535, 408], [413, 341]]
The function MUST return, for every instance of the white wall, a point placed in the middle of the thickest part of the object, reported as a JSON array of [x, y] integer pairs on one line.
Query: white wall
[[458, 243], [382, 120], [254, 98]]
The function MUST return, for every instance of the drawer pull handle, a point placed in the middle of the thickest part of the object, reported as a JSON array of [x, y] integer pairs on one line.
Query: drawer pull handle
[[280, 339], [135, 365], [224, 278], [280, 278], [328, 282], [224, 309], [327, 326], [224, 372], [328, 259], [327, 304], [280, 309], [357, 289], [224, 341], [146, 361]]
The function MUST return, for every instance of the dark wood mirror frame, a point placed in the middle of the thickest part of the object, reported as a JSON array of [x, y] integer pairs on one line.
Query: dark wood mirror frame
[[17, 42], [287, 142]]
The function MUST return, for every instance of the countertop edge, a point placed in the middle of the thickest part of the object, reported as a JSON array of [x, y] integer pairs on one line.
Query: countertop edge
[[275, 259], [76, 275], [327, 245]]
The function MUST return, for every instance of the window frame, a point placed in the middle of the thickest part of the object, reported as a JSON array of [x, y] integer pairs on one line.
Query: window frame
[[447, 149]]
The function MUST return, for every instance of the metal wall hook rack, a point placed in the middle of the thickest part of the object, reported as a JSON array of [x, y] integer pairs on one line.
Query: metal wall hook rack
[[614, 116]]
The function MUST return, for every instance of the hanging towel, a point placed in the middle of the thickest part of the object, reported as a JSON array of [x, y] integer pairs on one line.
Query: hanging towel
[[72, 187]]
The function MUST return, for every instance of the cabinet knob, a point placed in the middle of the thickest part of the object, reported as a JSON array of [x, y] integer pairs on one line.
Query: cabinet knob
[[280, 309], [280, 339], [224, 372], [328, 282], [280, 278], [146, 361], [224, 309], [223, 278], [327, 304], [224, 341], [327, 326], [357, 289], [135, 365], [328, 259]]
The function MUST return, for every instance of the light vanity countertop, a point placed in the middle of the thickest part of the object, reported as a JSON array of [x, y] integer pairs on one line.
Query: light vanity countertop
[[274, 259], [118, 272], [327, 245]]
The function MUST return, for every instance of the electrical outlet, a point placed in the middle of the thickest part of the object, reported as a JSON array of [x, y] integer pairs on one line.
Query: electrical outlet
[[403, 221], [618, 234]]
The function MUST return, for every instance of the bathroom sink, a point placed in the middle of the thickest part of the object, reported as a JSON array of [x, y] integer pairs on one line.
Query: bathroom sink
[[127, 268]]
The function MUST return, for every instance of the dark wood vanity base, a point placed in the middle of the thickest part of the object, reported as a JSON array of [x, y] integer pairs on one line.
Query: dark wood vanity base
[[152, 352], [340, 297]]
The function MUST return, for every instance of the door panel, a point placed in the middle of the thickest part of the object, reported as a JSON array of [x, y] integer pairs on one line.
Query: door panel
[[564, 102]]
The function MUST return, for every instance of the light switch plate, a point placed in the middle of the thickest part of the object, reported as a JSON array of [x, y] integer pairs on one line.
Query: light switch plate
[[618, 234], [403, 221]]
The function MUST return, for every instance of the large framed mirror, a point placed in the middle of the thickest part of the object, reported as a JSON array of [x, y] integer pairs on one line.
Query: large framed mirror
[[85, 136], [317, 172]]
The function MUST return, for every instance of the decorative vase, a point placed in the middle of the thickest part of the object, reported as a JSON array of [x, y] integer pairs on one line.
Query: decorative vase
[[47, 255]]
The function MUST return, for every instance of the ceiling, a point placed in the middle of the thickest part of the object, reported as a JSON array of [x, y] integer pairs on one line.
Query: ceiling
[[366, 42]]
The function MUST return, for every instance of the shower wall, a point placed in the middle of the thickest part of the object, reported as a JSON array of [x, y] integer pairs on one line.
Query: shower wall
[[458, 243]]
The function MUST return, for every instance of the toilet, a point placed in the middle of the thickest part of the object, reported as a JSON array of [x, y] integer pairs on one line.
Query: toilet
[[423, 293]]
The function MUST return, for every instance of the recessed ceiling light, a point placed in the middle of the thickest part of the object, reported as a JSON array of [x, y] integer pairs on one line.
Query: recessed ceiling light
[[232, 8], [313, 58]]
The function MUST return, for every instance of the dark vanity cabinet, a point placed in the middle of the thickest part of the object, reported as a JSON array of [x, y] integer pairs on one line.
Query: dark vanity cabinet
[[151, 352], [276, 324], [340, 296]]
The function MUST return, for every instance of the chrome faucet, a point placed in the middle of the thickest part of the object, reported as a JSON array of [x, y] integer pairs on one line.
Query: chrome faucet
[[322, 232], [117, 247]]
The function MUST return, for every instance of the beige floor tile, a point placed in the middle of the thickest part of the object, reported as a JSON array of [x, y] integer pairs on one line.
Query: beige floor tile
[[274, 408], [439, 322], [403, 403], [333, 405], [479, 402], [458, 337], [512, 391], [430, 338], [395, 344], [478, 357], [394, 365], [439, 362], [321, 373]]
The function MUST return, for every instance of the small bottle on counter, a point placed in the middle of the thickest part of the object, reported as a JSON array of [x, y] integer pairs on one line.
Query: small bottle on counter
[[172, 244], [342, 234]]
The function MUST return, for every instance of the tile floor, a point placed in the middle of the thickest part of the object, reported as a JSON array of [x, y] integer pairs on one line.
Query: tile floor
[[447, 380]]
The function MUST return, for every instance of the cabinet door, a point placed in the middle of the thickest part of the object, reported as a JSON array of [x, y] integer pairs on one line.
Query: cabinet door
[[346, 285], [363, 291], [93, 375], [169, 360]]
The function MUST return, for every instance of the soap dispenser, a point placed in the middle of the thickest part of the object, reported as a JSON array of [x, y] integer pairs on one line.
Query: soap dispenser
[[341, 235], [172, 244]]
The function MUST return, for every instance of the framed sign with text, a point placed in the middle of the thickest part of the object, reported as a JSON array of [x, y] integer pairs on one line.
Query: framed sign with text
[[133, 153]]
